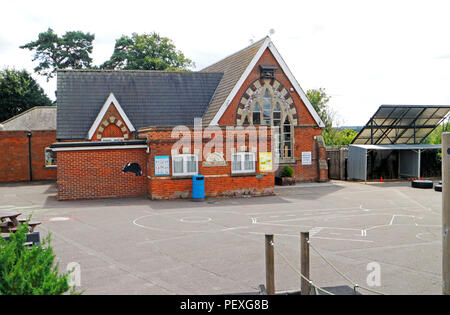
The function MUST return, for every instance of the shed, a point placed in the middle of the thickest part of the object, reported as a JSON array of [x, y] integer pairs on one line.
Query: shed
[[392, 161], [391, 143]]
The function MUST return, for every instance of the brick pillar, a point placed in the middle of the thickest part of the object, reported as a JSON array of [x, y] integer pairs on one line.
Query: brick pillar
[[322, 159]]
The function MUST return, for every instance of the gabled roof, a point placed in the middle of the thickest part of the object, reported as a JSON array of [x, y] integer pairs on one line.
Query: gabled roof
[[149, 98], [101, 115], [36, 118], [236, 69], [160, 98], [233, 68]]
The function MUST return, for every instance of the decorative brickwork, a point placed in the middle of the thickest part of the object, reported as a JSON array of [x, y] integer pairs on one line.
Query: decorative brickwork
[[253, 97], [112, 126], [304, 125]]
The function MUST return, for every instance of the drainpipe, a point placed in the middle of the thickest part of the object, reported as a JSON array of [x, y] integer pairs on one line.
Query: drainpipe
[[29, 155]]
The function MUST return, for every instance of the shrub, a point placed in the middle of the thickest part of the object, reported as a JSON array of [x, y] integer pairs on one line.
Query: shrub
[[29, 270], [287, 171]]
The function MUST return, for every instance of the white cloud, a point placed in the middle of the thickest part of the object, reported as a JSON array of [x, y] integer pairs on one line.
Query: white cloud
[[364, 53]]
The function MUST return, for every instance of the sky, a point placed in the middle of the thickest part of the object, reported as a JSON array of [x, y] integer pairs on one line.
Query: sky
[[364, 53]]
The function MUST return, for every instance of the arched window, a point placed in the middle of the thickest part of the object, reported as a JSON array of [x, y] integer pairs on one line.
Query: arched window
[[256, 115], [272, 113], [286, 147], [268, 102], [277, 123], [267, 108], [277, 115]]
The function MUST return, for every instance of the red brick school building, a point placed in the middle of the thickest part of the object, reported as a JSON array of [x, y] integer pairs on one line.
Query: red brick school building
[[109, 122]]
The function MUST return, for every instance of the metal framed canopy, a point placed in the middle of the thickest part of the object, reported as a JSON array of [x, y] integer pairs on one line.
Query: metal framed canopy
[[401, 124]]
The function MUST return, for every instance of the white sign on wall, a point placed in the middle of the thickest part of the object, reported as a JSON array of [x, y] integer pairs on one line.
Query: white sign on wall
[[162, 165], [306, 158]]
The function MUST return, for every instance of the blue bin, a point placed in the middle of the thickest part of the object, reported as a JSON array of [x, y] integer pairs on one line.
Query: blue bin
[[198, 187]]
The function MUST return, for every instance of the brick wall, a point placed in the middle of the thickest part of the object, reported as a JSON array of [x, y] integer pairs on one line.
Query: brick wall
[[305, 142], [223, 186], [219, 181], [94, 174], [14, 155]]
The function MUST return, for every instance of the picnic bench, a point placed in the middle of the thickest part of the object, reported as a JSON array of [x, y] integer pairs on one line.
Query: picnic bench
[[9, 222]]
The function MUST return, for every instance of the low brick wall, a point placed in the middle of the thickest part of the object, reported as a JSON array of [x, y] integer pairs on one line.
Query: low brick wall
[[223, 186], [14, 155]]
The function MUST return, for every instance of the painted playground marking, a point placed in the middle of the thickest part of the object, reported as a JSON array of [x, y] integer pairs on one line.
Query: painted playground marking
[[12, 207], [315, 237], [59, 219], [195, 219], [427, 237], [309, 219]]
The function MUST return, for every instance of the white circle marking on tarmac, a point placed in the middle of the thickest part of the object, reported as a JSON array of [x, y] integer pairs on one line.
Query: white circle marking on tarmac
[[135, 222]]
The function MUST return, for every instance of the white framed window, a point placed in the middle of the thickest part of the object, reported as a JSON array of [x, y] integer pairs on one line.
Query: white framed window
[[184, 165], [243, 162], [50, 158]]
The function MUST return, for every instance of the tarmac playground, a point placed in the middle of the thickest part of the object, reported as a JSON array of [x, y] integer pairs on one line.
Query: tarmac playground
[[138, 246]]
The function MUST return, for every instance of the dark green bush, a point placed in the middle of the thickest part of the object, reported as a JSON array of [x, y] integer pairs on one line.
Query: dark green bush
[[29, 270], [287, 171]]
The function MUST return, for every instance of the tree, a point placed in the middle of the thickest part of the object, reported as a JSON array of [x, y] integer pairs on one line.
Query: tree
[[319, 100], [71, 51], [146, 52], [436, 136], [333, 136], [19, 92], [29, 271]]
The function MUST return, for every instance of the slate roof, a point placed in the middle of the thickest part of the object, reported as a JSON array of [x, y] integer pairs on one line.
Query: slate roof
[[149, 98], [233, 68], [36, 118]]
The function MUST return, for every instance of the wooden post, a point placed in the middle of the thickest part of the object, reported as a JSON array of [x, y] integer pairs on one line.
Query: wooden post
[[304, 262], [445, 213], [270, 265]]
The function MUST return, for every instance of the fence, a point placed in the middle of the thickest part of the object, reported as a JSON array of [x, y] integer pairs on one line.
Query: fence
[[307, 286], [337, 157]]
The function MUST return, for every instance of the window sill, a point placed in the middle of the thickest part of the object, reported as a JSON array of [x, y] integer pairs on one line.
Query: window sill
[[287, 162], [182, 177], [50, 166]]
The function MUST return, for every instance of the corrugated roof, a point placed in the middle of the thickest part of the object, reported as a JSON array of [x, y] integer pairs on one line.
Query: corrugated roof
[[149, 98], [233, 68]]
